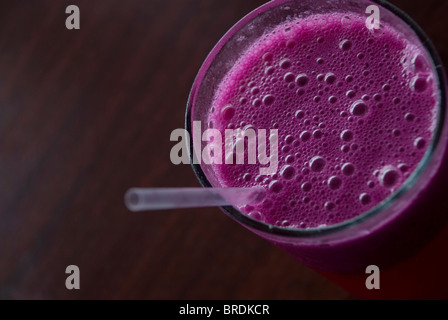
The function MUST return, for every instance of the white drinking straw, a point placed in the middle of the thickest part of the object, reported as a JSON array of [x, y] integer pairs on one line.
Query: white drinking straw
[[144, 199]]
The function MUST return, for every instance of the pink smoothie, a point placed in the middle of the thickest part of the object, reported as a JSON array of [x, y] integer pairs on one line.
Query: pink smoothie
[[355, 112]]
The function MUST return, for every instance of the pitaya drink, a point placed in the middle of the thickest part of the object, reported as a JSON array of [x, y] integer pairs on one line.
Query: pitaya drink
[[357, 112], [354, 112]]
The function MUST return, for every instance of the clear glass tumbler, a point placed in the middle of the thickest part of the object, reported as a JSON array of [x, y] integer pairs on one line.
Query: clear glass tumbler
[[405, 235]]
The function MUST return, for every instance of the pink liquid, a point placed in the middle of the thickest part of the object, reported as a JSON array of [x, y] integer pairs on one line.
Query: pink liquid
[[354, 110]]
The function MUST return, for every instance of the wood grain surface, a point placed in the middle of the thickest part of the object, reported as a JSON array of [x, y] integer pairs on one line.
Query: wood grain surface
[[86, 114]]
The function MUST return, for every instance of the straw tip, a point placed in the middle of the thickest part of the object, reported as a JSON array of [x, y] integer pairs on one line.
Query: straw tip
[[258, 195], [131, 199]]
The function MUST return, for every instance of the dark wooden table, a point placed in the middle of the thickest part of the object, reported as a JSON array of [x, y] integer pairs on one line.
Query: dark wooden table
[[86, 114]]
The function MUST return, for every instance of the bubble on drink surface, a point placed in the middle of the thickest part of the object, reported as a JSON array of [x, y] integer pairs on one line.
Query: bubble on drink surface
[[290, 44], [418, 63], [419, 83], [247, 127], [255, 90], [285, 223], [334, 182], [409, 116], [289, 139], [365, 198], [332, 99], [348, 169], [345, 44], [330, 78], [389, 177], [247, 177], [350, 94], [289, 77], [329, 205], [403, 167], [300, 114], [257, 102], [269, 71], [257, 215], [317, 164], [268, 99], [268, 56], [285, 63], [317, 134], [275, 186], [305, 136], [302, 80], [359, 108], [306, 186], [347, 135], [420, 143], [289, 159], [228, 112], [286, 149], [287, 172]]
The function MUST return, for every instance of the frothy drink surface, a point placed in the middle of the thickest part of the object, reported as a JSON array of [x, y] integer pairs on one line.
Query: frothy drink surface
[[355, 112]]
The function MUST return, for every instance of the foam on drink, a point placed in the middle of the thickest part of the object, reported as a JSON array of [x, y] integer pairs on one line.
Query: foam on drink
[[354, 110]]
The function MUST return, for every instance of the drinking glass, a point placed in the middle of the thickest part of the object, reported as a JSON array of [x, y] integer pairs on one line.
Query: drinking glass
[[406, 234]]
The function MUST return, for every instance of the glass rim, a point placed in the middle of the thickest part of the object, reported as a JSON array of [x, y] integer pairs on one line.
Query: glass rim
[[380, 207]]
